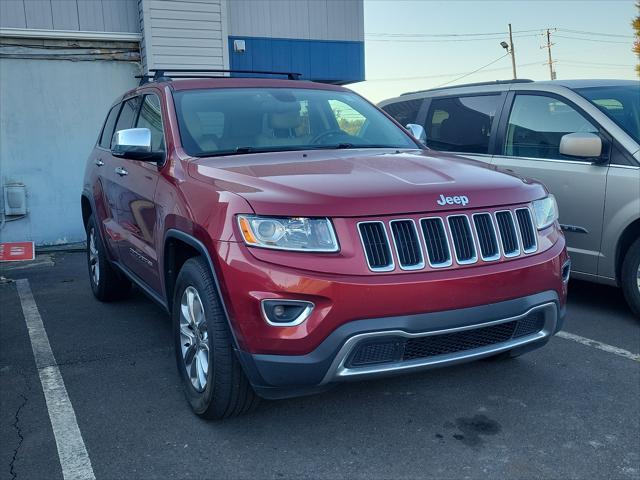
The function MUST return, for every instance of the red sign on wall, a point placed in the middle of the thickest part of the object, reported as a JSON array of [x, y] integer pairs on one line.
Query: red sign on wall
[[16, 251]]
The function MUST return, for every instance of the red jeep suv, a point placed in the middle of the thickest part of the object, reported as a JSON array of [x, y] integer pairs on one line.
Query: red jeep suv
[[299, 237]]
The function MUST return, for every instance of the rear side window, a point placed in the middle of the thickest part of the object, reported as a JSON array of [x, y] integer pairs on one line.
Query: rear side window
[[461, 124], [151, 117], [404, 112], [128, 114], [537, 123], [107, 131]]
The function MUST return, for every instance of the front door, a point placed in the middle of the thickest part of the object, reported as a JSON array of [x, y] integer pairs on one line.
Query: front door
[[530, 147], [136, 207]]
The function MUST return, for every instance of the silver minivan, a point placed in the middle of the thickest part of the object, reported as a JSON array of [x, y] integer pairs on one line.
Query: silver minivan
[[581, 138]]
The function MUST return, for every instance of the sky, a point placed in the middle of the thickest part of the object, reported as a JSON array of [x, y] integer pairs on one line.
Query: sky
[[405, 49]]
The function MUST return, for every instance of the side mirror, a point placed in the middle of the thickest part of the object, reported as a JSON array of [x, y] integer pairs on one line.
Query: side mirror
[[134, 144], [581, 144], [418, 132]]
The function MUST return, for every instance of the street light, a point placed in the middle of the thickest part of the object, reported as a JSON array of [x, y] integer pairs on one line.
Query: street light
[[510, 51], [505, 45]]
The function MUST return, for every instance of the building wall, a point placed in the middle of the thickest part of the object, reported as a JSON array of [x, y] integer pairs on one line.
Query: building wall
[[299, 19], [321, 39], [184, 33], [50, 114], [75, 15]]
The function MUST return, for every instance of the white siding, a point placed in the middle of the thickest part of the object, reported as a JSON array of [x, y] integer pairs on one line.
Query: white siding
[[302, 19], [184, 33]]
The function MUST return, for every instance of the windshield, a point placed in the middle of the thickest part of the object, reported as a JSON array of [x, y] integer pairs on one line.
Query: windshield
[[249, 120], [620, 103]]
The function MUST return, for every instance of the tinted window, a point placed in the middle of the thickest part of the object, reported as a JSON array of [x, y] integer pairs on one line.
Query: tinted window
[[150, 117], [461, 124], [537, 123], [128, 114], [246, 120], [620, 103], [404, 112], [107, 131]]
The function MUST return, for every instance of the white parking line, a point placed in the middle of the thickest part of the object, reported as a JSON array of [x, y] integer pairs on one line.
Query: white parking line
[[72, 452], [621, 352]]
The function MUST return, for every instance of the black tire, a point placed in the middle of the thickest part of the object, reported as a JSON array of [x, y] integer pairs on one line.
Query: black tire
[[630, 277], [109, 284], [227, 391]]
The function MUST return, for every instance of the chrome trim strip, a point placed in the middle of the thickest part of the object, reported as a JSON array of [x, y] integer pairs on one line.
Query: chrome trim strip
[[449, 262], [420, 265], [535, 230], [495, 233], [299, 319], [473, 259], [627, 167], [338, 372], [389, 267], [516, 252]]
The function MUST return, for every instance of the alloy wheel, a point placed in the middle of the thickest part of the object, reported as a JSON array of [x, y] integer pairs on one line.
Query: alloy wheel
[[638, 279], [194, 338], [94, 262]]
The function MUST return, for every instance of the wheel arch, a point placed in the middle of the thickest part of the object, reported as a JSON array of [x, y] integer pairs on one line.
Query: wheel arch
[[178, 248], [87, 208], [629, 235]]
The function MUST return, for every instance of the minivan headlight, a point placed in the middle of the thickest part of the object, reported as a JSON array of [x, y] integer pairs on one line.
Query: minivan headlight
[[545, 212], [289, 233]]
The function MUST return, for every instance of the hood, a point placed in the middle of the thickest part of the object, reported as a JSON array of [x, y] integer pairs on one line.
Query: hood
[[362, 182]]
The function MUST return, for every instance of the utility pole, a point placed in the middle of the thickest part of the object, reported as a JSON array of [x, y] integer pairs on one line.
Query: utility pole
[[513, 53], [552, 73]]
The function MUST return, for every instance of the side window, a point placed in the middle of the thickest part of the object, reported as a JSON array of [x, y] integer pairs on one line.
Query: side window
[[461, 124], [127, 114], [349, 120], [404, 112], [536, 125], [107, 131], [151, 117]]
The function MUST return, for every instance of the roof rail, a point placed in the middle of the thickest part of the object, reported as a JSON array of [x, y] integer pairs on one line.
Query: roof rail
[[478, 84], [160, 75]]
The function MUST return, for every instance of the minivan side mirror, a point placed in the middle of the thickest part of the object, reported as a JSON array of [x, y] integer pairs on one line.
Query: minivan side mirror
[[134, 144], [581, 144], [417, 131]]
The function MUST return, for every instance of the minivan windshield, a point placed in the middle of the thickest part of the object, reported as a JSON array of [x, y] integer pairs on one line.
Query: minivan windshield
[[620, 103], [227, 121]]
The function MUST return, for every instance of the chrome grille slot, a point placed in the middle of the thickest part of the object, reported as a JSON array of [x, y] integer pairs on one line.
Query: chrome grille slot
[[435, 238], [508, 234], [527, 230], [463, 244], [487, 238], [376, 246], [407, 244]]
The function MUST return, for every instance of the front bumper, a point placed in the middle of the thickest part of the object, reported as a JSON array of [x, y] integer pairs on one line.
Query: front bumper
[[282, 376]]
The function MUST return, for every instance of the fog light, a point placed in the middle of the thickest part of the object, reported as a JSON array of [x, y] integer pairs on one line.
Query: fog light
[[286, 313]]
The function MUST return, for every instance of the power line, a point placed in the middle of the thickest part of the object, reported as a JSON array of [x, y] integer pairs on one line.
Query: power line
[[445, 75], [591, 39], [583, 32], [402, 40], [373, 34], [475, 71]]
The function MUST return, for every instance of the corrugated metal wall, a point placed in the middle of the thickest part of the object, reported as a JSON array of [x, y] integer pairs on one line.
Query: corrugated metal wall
[[79, 15], [184, 33], [300, 19]]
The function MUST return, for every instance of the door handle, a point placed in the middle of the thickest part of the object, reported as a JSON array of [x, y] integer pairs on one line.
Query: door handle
[[99, 162], [121, 171]]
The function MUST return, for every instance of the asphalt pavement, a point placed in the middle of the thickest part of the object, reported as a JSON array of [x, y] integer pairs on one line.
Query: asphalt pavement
[[568, 410]]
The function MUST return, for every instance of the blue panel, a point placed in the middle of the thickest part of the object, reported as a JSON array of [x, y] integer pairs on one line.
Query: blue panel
[[321, 60]]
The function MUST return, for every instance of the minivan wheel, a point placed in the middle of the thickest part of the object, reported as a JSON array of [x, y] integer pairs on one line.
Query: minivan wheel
[[107, 283], [214, 383], [630, 277]]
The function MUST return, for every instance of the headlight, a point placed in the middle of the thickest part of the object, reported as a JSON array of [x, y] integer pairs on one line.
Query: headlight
[[289, 233], [545, 212]]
